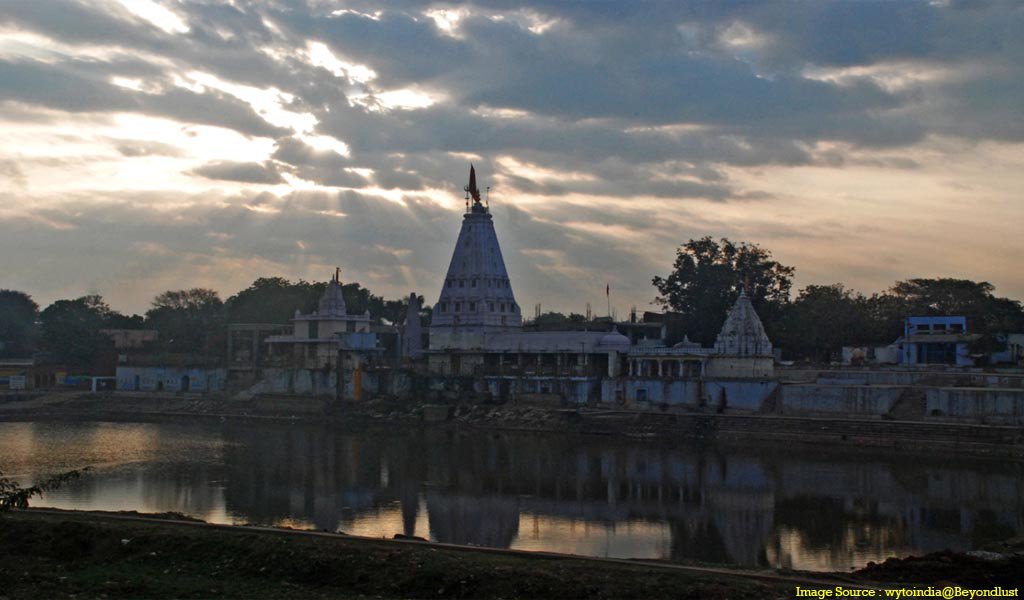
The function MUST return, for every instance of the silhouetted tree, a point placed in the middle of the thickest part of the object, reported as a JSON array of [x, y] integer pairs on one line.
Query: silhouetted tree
[[188, 320], [272, 300], [707, 277], [821, 320], [71, 331], [18, 329]]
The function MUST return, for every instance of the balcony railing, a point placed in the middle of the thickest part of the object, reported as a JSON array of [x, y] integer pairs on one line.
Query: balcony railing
[[538, 370]]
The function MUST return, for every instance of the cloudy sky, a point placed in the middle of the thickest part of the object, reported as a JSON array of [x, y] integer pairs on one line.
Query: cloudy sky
[[162, 144]]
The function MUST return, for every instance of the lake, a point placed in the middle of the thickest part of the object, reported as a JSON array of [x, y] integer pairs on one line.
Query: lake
[[802, 506]]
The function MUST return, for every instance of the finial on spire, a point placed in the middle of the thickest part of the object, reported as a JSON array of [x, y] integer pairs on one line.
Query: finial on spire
[[337, 274], [471, 189]]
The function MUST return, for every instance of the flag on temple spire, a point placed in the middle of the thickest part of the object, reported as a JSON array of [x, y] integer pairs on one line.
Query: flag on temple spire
[[471, 188]]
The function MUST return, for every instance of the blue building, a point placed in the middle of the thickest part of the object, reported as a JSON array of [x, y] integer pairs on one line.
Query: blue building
[[940, 340]]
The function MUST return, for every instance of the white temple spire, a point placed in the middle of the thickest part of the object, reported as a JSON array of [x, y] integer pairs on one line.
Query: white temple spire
[[476, 292]]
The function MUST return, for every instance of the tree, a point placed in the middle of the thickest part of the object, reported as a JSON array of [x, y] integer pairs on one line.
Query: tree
[[18, 330], [822, 319], [186, 319], [12, 495], [71, 331], [272, 300], [707, 277], [986, 313]]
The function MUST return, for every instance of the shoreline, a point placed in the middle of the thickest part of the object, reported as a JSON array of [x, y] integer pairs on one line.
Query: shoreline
[[911, 437]]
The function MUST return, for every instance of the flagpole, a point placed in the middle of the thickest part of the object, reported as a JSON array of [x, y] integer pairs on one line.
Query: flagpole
[[608, 297]]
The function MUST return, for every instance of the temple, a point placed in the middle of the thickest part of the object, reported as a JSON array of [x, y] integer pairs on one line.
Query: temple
[[476, 297]]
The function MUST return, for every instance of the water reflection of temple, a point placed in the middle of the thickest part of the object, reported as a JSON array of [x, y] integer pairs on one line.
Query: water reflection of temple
[[802, 509], [739, 508]]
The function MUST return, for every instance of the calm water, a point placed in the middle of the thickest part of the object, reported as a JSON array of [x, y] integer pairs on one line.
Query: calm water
[[803, 508]]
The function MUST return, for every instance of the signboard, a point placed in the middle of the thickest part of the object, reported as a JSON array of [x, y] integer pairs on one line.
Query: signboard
[[17, 382]]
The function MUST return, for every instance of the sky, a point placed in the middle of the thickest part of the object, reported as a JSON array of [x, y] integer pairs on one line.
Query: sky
[[148, 145]]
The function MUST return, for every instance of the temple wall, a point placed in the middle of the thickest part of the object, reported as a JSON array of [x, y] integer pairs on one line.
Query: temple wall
[[738, 394], [171, 379], [838, 400], [754, 367], [989, 406]]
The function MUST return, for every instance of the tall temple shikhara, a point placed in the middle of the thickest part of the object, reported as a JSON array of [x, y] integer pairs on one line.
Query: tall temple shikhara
[[476, 297]]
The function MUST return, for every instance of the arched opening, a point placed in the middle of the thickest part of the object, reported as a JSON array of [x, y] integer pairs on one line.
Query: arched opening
[[184, 383]]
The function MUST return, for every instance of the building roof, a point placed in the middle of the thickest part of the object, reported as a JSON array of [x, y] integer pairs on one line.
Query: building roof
[[942, 338], [743, 334]]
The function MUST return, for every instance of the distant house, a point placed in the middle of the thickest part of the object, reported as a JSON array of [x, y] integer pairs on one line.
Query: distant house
[[942, 340]]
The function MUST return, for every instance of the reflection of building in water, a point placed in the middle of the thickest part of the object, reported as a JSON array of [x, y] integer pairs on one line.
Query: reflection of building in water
[[805, 509], [491, 521], [730, 507]]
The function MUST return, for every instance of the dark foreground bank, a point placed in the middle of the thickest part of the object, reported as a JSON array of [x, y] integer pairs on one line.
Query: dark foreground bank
[[66, 555], [63, 555]]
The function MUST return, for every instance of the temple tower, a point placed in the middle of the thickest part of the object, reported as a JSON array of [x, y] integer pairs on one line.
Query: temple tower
[[742, 333], [742, 349], [476, 296]]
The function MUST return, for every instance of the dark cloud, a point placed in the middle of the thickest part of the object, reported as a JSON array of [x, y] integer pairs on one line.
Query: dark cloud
[[243, 172]]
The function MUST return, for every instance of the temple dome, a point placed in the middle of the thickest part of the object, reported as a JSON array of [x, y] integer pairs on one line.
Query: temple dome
[[614, 339]]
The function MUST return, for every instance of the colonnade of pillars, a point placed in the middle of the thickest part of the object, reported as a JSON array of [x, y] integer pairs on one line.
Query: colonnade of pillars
[[664, 367]]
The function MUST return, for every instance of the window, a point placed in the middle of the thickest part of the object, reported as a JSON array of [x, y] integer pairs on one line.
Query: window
[[502, 307], [490, 307], [462, 283], [458, 307], [474, 283], [472, 307], [449, 283], [444, 307]]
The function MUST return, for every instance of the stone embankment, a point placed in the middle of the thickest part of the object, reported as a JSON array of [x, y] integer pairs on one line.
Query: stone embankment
[[669, 426]]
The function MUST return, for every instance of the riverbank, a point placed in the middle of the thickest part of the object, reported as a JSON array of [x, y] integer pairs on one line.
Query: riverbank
[[653, 425]]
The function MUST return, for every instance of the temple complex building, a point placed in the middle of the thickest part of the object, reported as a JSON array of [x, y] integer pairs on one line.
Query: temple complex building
[[325, 347], [476, 327]]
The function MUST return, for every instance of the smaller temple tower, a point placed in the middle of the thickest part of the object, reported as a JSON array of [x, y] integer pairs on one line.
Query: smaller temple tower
[[742, 349]]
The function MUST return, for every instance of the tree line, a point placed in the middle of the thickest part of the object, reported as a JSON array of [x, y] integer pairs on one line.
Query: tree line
[[705, 279], [192, 321], [708, 275]]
